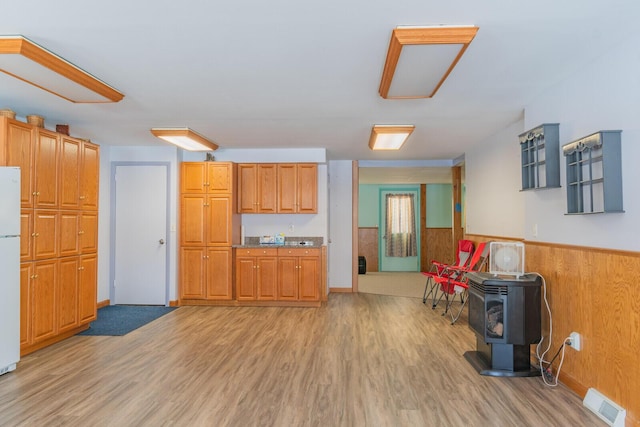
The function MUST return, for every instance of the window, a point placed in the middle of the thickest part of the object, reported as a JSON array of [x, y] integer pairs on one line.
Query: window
[[594, 175], [400, 226]]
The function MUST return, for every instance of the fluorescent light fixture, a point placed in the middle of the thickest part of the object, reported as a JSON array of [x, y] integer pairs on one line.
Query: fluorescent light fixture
[[185, 138], [389, 137], [428, 57], [33, 64]]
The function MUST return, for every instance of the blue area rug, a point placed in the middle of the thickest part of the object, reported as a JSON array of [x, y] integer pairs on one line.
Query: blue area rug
[[122, 319]]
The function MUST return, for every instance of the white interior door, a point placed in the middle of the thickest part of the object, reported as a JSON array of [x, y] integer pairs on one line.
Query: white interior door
[[140, 235]]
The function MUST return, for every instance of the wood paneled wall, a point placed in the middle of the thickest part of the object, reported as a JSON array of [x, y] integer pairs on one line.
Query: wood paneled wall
[[439, 247], [368, 246], [593, 292]]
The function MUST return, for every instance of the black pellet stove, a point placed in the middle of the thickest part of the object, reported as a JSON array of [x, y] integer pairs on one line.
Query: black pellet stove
[[504, 313]]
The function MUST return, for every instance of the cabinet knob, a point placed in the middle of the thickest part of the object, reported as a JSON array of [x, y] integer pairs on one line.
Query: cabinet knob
[[33, 234], [83, 197], [80, 232]]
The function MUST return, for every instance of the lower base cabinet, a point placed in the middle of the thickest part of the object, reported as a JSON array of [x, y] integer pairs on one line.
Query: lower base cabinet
[[256, 274], [57, 298], [298, 274], [206, 273]]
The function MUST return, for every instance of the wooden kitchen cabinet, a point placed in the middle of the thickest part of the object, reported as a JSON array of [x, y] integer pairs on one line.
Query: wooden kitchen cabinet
[[69, 233], [208, 220], [297, 188], [206, 273], [193, 267], [18, 151], [209, 226], [257, 188], [298, 274], [207, 177], [26, 271], [68, 293], [43, 300], [26, 230], [89, 176], [45, 233], [46, 164], [70, 161], [58, 230], [87, 289], [256, 273]]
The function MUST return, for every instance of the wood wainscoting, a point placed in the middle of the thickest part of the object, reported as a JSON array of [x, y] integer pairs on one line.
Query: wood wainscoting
[[437, 244], [592, 291], [368, 246]]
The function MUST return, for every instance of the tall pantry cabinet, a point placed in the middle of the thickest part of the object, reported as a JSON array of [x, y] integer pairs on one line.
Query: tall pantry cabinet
[[209, 226], [59, 231]]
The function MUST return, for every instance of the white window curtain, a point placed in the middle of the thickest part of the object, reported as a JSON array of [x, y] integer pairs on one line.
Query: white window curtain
[[400, 233]]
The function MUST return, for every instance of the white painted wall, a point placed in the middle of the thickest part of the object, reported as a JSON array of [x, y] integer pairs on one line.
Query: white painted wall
[[494, 204], [600, 95], [340, 221]]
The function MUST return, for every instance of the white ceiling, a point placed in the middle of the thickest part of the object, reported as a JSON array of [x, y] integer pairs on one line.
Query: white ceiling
[[292, 73]]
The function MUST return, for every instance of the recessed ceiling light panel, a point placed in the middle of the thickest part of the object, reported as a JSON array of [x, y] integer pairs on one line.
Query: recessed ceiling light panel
[[420, 59], [25, 60], [389, 137]]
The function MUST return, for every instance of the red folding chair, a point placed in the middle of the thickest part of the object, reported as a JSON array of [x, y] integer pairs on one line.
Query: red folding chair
[[439, 269], [457, 283]]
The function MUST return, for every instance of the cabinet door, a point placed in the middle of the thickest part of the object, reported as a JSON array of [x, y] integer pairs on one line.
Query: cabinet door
[[88, 289], [69, 233], [267, 278], [45, 234], [286, 188], [309, 278], [245, 278], [247, 188], [219, 211], [26, 231], [26, 273], [88, 232], [267, 188], [193, 177], [68, 293], [46, 169], [220, 177], [43, 302], [287, 278], [219, 274], [307, 188], [89, 176], [193, 220], [70, 161], [19, 152], [192, 272]]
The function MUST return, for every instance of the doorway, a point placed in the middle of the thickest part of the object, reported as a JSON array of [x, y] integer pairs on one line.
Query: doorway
[[139, 246], [389, 261]]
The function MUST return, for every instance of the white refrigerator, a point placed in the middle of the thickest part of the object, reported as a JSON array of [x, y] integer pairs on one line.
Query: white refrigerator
[[9, 268]]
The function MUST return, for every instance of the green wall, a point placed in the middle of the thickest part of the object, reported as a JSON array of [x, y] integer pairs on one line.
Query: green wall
[[439, 209]]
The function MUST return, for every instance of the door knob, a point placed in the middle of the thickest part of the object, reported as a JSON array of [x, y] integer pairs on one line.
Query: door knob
[[161, 241]]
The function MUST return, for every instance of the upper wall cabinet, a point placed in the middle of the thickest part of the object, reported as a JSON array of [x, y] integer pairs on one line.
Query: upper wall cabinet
[[540, 155], [297, 188], [594, 173], [283, 188], [207, 177]]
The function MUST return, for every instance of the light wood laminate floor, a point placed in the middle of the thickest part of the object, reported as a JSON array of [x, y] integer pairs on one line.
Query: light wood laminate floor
[[360, 360]]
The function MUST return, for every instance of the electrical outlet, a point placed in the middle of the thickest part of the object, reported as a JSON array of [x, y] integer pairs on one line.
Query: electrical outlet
[[291, 228], [575, 341]]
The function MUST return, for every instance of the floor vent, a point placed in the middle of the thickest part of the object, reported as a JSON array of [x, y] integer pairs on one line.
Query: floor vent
[[605, 408]]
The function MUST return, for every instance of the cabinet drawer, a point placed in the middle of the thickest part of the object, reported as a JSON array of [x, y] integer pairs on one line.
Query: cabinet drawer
[[257, 252], [298, 252]]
